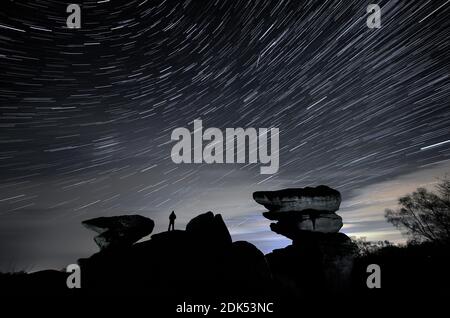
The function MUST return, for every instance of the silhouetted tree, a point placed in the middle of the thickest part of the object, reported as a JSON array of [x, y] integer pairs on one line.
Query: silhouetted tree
[[424, 215]]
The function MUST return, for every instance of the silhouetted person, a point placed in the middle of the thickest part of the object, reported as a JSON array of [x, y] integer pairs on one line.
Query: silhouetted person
[[172, 218]]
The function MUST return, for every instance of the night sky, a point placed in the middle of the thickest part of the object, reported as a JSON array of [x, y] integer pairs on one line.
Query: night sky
[[86, 115]]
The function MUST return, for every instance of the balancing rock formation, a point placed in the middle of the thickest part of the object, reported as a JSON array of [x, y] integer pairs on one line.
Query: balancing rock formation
[[320, 258], [119, 231], [302, 209]]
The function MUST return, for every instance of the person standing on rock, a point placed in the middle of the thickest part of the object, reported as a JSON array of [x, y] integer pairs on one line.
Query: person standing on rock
[[172, 218]]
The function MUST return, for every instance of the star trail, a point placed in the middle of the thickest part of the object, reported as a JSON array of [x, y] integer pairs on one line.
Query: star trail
[[86, 114]]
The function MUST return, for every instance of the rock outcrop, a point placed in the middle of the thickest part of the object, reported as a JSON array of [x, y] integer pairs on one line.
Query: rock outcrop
[[302, 209], [203, 260], [320, 258], [200, 260], [119, 231]]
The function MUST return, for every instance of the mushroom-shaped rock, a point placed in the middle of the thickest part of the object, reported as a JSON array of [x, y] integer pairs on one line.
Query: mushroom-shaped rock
[[119, 231], [320, 257]]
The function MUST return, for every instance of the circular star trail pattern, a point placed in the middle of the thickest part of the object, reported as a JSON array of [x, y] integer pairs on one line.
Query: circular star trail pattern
[[86, 115]]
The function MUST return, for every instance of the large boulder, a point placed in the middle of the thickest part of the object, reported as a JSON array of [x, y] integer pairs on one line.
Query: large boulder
[[321, 198], [119, 231], [210, 229]]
